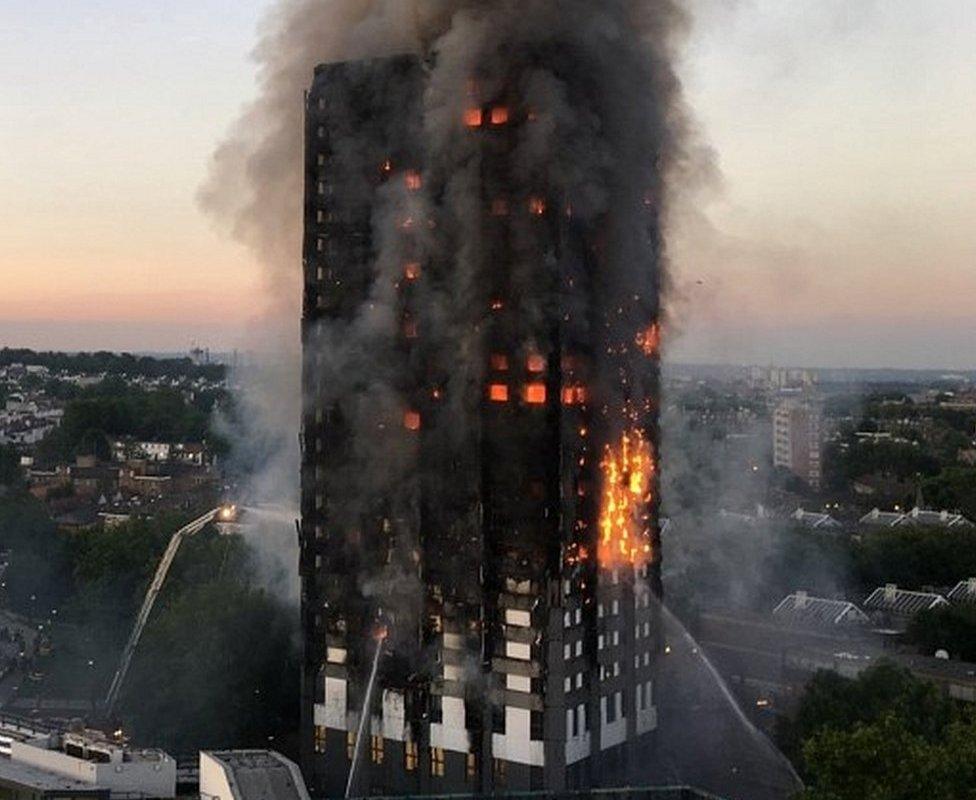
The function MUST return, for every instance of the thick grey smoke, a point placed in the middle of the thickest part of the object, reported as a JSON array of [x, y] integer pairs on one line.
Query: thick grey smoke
[[608, 142]]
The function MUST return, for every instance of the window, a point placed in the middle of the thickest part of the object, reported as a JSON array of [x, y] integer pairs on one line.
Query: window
[[615, 608], [499, 115], [471, 766], [411, 756], [579, 680], [437, 762], [599, 610], [567, 651], [350, 745], [498, 719], [498, 393], [567, 684], [647, 658], [640, 697], [600, 642], [616, 637], [567, 620], [578, 616], [500, 768], [376, 750], [579, 647], [535, 393], [319, 738]]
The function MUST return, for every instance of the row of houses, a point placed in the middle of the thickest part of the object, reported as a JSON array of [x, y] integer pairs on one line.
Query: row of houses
[[915, 518], [137, 477], [25, 420], [887, 605]]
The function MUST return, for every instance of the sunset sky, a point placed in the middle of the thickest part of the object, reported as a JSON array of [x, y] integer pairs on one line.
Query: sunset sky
[[842, 230]]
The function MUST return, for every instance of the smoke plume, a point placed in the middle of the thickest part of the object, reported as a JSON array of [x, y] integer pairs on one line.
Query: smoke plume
[[610, 142]]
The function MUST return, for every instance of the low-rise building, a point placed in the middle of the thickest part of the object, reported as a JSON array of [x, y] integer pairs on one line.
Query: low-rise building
[[802, 610], [963, 592], [917, 517], [84, 763], [250, 775], [816, 520], [895, 607]]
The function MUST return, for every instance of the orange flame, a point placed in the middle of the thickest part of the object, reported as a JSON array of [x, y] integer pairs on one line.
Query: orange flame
[[628, 471], [649, 340]]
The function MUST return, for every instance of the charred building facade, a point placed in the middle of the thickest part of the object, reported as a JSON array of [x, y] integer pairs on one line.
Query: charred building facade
[[480, 555]]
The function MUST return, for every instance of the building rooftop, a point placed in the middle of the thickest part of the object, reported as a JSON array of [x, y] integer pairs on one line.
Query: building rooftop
[[802, 610], [259, 775], [963, 592], [815, 519], [916, 517], [902, 602], [41, 780]]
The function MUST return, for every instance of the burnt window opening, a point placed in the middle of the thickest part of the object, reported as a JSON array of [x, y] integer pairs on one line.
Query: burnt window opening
[[498, 719]]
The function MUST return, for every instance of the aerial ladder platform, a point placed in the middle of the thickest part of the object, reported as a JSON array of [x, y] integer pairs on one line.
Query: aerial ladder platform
[[162, 570]]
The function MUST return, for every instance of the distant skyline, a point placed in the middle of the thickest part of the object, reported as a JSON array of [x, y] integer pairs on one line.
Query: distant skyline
[[841, 233]]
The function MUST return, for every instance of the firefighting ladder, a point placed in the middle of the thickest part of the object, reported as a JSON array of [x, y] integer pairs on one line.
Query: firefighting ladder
[[147, 605]]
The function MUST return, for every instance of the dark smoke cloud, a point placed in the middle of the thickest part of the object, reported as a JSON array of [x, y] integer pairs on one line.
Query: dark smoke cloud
[[612, 134]]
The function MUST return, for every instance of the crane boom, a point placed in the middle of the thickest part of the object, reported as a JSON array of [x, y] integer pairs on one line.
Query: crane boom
[[148, 602]]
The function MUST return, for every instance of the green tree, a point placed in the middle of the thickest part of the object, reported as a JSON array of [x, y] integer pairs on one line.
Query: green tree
[[10, 474], [218, 667], [886, 760], [37, 579], [914, 557], [953, 488], [834, 703], [951, 628]]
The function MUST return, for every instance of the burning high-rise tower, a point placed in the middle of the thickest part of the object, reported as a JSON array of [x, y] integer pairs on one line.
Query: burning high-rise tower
[[480, 550]]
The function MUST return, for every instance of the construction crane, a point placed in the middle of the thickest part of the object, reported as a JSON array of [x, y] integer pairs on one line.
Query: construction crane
[[150, 600]]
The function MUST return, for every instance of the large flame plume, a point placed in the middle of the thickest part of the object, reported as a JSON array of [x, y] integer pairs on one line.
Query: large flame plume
[[628, 468]]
